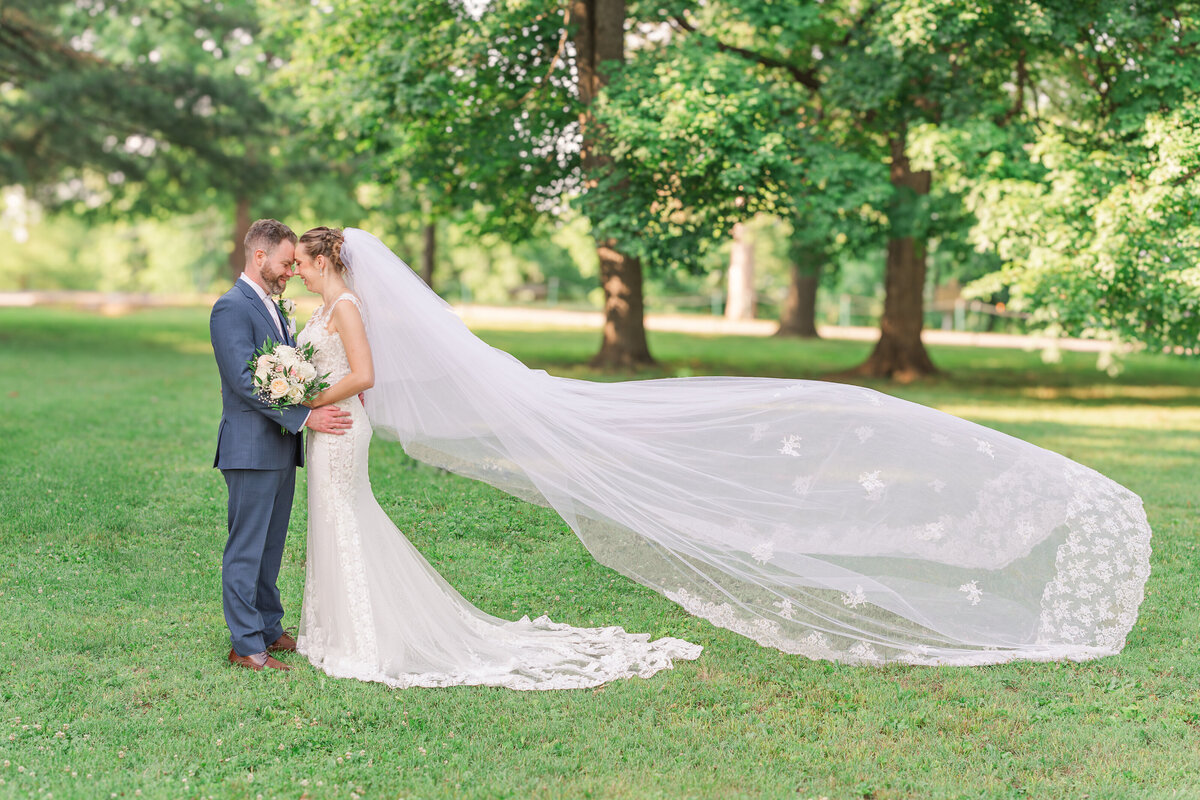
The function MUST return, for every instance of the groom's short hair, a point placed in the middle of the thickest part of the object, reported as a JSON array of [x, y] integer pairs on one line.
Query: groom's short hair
[[266, 234]]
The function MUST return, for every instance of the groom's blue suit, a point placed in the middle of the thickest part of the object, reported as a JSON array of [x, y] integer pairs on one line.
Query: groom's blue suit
[[259, 463]]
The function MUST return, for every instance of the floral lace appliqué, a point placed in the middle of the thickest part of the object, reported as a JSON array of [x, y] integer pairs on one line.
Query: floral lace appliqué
[[790, 445]]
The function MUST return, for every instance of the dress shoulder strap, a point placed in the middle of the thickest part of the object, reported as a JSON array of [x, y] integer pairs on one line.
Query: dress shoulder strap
[[346, 296]]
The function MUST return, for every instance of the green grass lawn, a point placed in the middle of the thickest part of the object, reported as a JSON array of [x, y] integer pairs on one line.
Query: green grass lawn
[[113, 680]]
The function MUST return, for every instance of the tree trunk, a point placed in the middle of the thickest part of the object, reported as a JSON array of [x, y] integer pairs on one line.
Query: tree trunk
[[241, 226], [624, 340], [798, 317], [741, 301], [429, 253], [900, 354], [600, 37]]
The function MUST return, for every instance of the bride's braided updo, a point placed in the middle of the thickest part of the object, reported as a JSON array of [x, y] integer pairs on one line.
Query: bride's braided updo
[[325, 242]]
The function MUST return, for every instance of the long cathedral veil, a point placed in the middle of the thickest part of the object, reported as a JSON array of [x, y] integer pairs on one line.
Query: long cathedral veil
[[821, 519]]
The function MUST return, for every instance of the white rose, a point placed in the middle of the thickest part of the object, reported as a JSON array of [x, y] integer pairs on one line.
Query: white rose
[[279, 387], [307, 372], [285, 353], [288, 305], [264, 362], [261, 373], [295, 395]]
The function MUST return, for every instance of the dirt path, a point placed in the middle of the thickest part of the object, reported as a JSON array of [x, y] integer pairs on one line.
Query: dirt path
[[483, 316], [480, 316]]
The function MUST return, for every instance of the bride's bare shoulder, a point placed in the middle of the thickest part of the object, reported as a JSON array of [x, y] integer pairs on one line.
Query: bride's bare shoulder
[[344, 311], [351, 296]]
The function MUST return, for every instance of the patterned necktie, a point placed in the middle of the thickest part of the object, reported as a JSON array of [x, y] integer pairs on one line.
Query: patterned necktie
[[281, 319]]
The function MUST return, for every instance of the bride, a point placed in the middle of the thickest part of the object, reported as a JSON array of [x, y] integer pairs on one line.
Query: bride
[[821, 519], [374, 609]]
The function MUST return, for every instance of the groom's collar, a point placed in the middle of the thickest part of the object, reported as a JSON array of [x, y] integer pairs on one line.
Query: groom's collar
[[258, 290]]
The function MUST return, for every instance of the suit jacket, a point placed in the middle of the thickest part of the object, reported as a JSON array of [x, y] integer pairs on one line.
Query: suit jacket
[[249, 436]]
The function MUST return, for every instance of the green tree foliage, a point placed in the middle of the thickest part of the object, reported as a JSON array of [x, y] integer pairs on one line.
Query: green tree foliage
[[707, 134], [116, 110], [1057, 138], [809, 111], [476, 114], [1096, 218], [135, 107], [482, 109]]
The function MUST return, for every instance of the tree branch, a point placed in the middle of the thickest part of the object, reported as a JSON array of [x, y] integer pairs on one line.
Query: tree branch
[[857, 26], [1019, 103], [562, 43], [24, 28], [806, 78], [1182, 179]]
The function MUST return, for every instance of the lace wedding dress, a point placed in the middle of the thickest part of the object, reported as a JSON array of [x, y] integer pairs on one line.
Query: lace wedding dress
[[375, 610]]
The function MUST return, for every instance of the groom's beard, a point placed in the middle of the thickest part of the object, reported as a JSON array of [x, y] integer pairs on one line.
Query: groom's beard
[[275, 285]]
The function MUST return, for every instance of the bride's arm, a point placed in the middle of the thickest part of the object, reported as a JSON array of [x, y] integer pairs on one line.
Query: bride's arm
[[349, 325]]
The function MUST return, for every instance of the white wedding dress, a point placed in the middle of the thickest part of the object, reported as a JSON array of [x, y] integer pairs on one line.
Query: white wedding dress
[[821, 519], [374, 609]]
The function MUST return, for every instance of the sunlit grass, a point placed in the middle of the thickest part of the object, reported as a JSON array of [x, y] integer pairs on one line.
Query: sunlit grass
[[112, 645]]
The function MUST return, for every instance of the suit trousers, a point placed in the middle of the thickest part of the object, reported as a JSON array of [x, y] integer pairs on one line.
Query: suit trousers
[[260, 505]]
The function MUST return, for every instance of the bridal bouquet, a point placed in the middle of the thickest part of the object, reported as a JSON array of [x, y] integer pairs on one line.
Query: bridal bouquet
[[284, 375]]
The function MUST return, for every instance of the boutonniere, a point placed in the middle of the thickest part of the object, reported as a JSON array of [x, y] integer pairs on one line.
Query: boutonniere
[[287, 306]]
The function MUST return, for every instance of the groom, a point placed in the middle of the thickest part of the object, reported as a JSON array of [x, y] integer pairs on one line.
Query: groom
[[256, 457]]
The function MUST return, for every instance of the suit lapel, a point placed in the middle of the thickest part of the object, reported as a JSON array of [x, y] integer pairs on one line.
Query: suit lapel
[[255, 301]]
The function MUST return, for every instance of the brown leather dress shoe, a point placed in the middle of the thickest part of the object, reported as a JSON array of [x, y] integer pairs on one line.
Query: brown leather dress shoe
[[246, 661], [284, 644]]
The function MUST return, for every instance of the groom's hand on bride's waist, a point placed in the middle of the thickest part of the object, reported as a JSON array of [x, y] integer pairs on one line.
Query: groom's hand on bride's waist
[[328, 419]]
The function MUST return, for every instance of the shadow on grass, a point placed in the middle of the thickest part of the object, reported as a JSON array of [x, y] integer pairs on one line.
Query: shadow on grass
[[1004, 374], [1008, 373]]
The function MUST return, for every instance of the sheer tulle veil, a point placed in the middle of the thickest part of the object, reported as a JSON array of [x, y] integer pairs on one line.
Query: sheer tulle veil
[[821, 519]]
